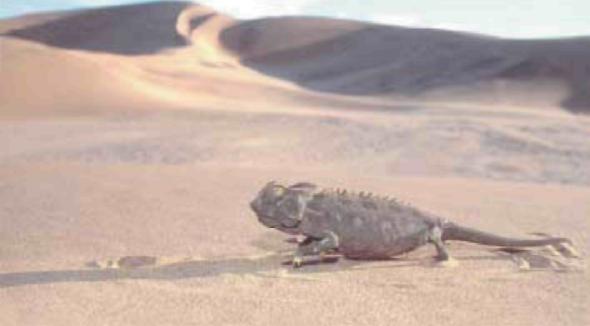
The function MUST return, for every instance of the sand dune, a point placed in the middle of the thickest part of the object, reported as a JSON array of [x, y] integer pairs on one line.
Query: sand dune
[[176, 62], [363, 59], [305, 55], [133, 138], [39, 81]]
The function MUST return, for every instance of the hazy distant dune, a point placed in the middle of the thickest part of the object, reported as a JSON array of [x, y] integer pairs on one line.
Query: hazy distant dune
[[365, 59], [261, 37], [378, 59]]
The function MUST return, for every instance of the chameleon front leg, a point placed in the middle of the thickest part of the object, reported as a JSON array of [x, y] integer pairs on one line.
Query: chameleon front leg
[[312, 246]]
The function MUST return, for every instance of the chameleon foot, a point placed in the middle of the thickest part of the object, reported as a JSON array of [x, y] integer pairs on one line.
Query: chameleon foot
[[447, 263], [568, 250], [297, 261]]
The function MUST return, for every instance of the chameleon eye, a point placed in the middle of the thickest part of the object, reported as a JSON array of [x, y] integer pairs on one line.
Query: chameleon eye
[[278, 191]]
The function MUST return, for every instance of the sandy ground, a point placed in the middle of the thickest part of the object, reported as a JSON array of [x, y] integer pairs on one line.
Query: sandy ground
[[77, 193], [125, 182]]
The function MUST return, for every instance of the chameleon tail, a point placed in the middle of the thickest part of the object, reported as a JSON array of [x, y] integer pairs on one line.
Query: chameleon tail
[[453, 231]]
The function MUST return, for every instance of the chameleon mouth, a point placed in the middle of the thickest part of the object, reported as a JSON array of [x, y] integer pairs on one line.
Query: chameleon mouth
[[275, 224], [268, 221]]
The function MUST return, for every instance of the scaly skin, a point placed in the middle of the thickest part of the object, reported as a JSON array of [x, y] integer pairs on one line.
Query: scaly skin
[[363, 226]]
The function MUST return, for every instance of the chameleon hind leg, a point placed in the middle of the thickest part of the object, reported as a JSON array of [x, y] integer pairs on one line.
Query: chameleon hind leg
[[313, 246], [442, 255]]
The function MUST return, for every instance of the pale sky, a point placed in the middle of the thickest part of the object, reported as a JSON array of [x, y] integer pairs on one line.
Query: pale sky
[[507, 18]]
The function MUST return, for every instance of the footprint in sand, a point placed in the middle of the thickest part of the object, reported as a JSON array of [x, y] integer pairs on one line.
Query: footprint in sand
[[547, 259]]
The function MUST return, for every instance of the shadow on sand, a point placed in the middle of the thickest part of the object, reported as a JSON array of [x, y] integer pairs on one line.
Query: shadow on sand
[[173, 271], [192, 268], [187, 269]]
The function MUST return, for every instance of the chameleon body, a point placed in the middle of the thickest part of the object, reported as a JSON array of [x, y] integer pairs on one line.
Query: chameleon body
[[363, 226]]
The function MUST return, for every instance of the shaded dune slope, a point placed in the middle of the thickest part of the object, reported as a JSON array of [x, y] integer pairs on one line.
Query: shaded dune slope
[[127, 29], [366, 59], [325, 55]]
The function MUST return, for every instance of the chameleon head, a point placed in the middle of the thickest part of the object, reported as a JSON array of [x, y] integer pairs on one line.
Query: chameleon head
[[281, 207]]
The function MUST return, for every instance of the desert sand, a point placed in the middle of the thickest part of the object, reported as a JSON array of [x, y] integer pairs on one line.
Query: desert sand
[[133, 138]]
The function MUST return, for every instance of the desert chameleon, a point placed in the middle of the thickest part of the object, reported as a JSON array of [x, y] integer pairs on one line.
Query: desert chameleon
[[363, 226]]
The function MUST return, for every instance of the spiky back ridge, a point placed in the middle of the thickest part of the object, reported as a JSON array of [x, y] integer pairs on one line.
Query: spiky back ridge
[[365, 200]]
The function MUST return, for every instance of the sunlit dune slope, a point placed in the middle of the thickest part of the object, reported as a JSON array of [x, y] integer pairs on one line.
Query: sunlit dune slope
[[39, 81]]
